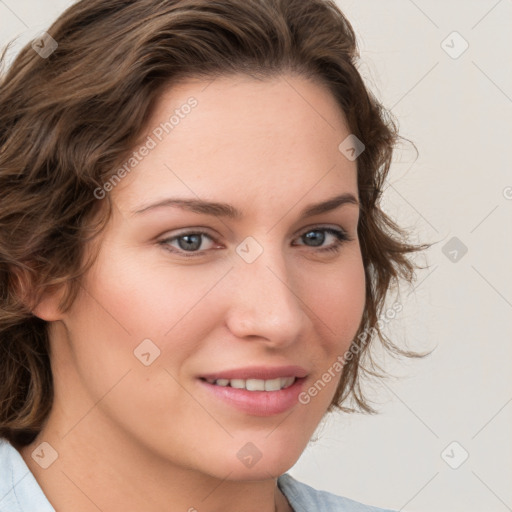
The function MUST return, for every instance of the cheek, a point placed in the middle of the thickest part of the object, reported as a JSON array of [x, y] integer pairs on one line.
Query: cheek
[[339, 308], [340, 299], [121, 306], [128, 301], [150, 297]]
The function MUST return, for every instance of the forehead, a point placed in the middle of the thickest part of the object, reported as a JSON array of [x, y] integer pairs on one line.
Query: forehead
[[244, 137]]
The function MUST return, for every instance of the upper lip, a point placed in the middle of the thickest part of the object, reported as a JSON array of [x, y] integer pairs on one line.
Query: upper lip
[[258, 372]]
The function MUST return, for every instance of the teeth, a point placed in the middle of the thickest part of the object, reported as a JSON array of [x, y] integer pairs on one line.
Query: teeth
[[273, 384], [255, 384], [237, 383]]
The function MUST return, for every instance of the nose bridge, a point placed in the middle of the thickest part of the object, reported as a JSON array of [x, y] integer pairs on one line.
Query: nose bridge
[[265, 303]]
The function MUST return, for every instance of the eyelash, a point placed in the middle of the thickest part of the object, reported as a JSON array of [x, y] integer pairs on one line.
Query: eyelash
[[341, 237]]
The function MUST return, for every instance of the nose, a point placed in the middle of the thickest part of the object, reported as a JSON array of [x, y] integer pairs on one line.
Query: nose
[[264, 304]]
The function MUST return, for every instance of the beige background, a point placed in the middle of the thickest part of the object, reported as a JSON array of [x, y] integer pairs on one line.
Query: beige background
[[458, 112]]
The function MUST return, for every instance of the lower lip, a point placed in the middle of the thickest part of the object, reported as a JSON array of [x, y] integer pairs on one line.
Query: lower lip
[[258, 403]]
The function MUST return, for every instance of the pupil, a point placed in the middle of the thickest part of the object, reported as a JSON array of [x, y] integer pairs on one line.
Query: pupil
[[191, 242], [317, 237]]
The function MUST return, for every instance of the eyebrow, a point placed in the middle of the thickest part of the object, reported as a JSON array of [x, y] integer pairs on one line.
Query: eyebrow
[[229, 211]]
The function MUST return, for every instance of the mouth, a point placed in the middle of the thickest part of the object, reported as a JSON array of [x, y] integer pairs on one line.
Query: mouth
[[257, 391]]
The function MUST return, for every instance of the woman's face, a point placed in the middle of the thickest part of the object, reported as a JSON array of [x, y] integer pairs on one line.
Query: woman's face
[[261, 298]]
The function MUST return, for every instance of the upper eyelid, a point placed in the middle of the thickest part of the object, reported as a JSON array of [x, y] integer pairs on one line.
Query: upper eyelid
[[206, 231]]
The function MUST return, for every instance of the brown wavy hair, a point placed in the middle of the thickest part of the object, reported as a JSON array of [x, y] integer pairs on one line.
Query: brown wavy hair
[[69, 120]]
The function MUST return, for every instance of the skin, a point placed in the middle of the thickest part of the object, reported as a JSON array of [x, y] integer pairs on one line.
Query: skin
[[135, 437]]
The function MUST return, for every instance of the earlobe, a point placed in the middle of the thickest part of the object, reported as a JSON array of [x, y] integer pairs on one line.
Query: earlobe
[[46, 306]]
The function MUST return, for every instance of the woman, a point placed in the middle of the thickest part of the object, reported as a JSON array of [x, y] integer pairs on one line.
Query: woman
[[193, 257]]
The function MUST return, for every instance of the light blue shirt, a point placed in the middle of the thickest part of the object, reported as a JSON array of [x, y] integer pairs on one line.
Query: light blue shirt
[[20, 492]]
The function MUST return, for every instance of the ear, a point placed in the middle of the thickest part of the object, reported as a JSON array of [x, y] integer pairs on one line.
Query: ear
[[47, 307]]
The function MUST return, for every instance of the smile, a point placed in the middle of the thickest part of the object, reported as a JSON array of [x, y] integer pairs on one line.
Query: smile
[[257, 391]]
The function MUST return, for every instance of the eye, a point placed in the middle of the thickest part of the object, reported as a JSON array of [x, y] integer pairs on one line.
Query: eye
[[317, 236], [190, 243]]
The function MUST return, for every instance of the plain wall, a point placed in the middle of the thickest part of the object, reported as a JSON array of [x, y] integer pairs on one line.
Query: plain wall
[[458, 112]]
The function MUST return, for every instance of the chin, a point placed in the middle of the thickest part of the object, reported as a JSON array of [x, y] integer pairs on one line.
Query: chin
[[261, 471], [261, 460]]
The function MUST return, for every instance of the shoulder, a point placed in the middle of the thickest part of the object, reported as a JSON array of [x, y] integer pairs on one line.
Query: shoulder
[[19, 490], [304, 498]]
